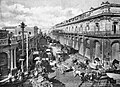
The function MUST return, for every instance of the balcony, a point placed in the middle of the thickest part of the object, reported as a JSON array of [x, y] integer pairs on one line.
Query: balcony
[[106, 34], [3, 42], [102, 33]]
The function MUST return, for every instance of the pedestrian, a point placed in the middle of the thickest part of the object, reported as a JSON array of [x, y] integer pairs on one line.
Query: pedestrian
[[115, 65], [97, 63]]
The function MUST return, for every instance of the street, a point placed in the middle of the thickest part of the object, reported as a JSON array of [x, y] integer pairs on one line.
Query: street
[[61, 80]]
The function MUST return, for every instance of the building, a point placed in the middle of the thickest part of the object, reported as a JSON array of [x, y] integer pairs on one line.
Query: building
[[8, 47], [95, 33]]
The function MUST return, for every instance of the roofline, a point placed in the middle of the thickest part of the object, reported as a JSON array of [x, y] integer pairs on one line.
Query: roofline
[[102, 6]]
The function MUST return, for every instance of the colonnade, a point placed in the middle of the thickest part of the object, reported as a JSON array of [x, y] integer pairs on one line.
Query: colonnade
[[93, 47], [13, 58]]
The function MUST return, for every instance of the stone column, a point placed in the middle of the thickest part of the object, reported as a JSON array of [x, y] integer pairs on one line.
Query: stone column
[[84, 47], [11, 59], [79, 43], [8, 56], [73, 42], [15, 58], [91, 49]]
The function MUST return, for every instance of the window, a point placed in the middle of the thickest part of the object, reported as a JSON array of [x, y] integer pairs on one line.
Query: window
[[87, 26], [97, 27], [114, 27]]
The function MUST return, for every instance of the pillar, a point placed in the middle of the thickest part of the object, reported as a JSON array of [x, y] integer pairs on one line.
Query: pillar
[[69, 41], [15, 58], [76, 46], [73, 41], [84, 47], [79, 43], [91, 49], [102, 50], [8, 53], [11, 59]]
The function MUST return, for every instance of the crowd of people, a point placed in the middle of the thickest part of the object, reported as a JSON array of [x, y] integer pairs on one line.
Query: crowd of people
[[95, 71]]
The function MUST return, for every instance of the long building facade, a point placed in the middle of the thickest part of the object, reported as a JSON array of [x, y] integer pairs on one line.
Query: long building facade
[[8, 52], [95, 33]]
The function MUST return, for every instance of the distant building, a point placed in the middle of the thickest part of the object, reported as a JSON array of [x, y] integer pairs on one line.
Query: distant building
[[35, 30], [8, 52]]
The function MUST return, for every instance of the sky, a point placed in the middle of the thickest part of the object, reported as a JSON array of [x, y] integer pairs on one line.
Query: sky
[[43, 13]]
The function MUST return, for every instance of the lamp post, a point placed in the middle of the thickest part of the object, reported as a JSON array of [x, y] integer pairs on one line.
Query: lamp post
[[27, 46], [22, 56], [22, 26]]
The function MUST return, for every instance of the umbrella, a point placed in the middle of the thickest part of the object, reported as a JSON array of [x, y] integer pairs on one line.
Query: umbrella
[[37, 58]]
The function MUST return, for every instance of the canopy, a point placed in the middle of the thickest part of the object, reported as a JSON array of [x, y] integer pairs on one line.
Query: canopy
[[37, 58], [113, 75]]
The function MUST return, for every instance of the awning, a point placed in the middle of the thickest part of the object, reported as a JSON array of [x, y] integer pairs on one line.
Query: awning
[[36, 52]]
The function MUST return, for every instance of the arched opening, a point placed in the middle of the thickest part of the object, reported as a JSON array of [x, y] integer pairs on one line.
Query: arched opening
[[96, 49], [115, 50], [114, 27], [76, 46], [3, 65], [81, 47], [87, 51]]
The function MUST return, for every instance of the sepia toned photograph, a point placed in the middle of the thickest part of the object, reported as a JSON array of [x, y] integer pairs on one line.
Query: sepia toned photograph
[[59, 43]]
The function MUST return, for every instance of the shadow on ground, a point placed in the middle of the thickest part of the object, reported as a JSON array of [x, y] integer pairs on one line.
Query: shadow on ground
[[56, 83]]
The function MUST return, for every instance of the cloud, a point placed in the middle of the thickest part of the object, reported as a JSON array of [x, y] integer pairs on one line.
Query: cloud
[[44, 16]]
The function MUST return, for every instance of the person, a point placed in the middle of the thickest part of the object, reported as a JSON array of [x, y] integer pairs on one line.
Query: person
[[87, 64], [115, 64], [98, 64], [113, 69], [38, 67], [106, 65]]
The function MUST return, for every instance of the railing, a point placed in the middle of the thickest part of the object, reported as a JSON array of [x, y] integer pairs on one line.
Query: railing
[[102, 33], [97, 33]]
